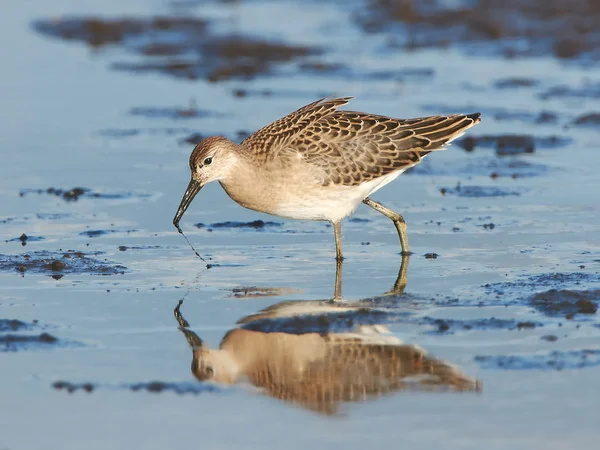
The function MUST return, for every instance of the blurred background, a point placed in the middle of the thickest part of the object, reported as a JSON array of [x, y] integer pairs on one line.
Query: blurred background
[[103, 102]]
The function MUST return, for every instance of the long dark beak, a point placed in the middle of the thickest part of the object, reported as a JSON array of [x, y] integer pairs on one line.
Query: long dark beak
[[191, 191]]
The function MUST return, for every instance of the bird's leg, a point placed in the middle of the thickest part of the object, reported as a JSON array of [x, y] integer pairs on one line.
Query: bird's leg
[[337, 231], [396, 218], [337, 293]]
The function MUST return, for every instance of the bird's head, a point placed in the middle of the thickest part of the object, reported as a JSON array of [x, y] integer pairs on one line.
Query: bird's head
[[211, 160]]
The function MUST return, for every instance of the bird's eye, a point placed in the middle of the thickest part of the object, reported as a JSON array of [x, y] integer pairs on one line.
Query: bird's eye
[[209, 371], [207, 161]]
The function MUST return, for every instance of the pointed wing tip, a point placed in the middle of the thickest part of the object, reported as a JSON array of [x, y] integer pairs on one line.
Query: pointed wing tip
[[339, 100], [475, 117]]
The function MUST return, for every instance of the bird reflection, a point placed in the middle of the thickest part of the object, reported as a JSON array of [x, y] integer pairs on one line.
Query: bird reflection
[[290, 351]]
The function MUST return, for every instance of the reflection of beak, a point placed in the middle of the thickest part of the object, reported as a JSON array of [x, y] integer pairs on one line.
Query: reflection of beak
[[191, 191], [193, 339]]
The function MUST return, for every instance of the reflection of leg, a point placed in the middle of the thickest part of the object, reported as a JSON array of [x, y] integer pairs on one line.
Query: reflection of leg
[[396, 218], [192, 338], [402, 279], [337, 231], [337, 293]]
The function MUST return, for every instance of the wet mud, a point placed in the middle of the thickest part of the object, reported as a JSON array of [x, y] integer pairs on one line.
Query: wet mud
[[527, 286], [16, 335], [457, 325], [192, 139], [506, 145], [566, 302], [555, 360], [59, 264], [153, 387], [257, 292], [191, 112], [73, 195], [515, 28], [586, 90], [180, 47], [124, 248], [588, 120], [18, 342], [125, 133], [16, 325], [24, 239], [257, 225], [482, 191], [99, 233]]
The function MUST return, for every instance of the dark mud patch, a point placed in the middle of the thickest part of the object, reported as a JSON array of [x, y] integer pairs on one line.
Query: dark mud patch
[[124, 248], [344, 320], [73, 195], [556, 360], [193, 139], [17, 325], [540, 118], [358, 220], [340, 70], [563, 291], [499, 113], [99, 233], [483, 165], [191, 112], [259, 292], [16, 335], [52, 216], [124, 133], [511, 28], [512, 144], [515, 83], [449, 326], [18, 342], [58, 264], [588, 120], [24, 239], [566, 302], [258, 225], [154, 387], [563, 91], [482, 191], [182, 47], [15, 342]]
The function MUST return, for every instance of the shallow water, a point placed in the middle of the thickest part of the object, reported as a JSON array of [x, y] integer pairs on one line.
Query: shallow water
[[105, 268]]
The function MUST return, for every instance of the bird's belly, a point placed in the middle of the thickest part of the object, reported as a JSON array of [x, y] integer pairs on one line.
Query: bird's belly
[[332, 205], [296, 199], [308, 202]]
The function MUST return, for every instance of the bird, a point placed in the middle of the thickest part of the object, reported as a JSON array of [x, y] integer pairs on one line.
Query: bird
[[320, 162], [320, 371]]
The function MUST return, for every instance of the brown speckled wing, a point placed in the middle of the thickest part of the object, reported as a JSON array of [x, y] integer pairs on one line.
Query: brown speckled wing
[[352, 147], [267, 141]]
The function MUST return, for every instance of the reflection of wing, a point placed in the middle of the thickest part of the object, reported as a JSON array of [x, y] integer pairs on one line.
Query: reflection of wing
[[319, 372]]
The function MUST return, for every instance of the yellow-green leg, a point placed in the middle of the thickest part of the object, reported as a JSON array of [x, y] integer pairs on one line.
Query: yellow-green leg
[[337, 230], [396, 218]]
